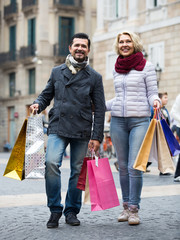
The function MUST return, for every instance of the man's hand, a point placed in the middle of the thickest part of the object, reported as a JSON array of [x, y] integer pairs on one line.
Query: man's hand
[[34, 108], [94, 145]]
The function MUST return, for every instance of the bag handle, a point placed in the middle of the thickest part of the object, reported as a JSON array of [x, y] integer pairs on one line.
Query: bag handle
[[33, 113], [93, 155]]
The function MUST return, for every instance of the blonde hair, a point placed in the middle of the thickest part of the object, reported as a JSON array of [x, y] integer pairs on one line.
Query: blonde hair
[[138, 47]]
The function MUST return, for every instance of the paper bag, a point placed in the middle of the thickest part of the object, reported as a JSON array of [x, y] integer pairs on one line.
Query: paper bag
[[165, 162], [144, 151], [82, 177], [170, 138], [34, 152], [103, 194], [15, 165]]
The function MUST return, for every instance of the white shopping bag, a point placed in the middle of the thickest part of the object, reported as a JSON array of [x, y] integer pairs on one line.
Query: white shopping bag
[[34, 151]]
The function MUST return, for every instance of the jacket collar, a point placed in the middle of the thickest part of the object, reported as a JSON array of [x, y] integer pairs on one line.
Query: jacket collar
[[74, 77]]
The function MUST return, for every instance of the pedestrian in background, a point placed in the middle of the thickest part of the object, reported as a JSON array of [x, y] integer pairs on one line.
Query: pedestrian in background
[[165, 113], [175, 114], [75, 87], [136, 89]]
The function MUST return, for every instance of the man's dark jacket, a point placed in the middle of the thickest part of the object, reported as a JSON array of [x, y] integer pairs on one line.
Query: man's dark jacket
[[74, 95]]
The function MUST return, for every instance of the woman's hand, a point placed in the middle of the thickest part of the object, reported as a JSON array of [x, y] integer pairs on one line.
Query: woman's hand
[[156, 104]]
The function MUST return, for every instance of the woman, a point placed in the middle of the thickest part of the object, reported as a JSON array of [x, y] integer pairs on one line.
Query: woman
[[136, 90]]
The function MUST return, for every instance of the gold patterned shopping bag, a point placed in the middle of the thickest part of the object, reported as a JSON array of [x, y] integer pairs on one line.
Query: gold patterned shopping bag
[[15, 165]]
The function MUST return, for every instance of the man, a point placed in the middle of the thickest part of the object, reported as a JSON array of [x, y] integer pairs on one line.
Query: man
[[76, 89]]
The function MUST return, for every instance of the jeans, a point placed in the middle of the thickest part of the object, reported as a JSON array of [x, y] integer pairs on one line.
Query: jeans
[[56, 146], [127, 134]]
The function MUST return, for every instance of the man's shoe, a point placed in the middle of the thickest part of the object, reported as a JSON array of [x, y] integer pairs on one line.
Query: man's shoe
[[72, 220], [54, 220], [177, 179], [164, 174]]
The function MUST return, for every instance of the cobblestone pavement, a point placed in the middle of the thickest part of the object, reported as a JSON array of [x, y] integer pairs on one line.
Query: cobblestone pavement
[[23, 211]]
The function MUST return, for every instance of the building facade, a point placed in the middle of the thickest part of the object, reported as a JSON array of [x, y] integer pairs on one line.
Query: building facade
[[158, 24], [34, 37]]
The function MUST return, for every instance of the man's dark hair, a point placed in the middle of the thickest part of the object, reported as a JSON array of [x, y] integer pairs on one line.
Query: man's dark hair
[[80, 35]]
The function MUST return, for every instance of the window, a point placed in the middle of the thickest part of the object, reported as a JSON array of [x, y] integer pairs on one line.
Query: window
[[67, 2], [32, 81], [156, 54], [12, 83], [66, 31], [12, 42], [32, 35], [154, 3], [114, 9], [110, 62]]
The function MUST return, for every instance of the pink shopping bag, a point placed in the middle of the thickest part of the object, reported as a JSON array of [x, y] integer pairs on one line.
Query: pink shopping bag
[[82, 177], [103, 194]]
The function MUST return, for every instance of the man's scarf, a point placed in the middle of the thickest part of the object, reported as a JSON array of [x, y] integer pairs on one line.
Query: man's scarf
[[75, 66]]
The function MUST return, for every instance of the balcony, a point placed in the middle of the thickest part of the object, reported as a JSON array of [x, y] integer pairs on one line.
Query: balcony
[[26, 54], [11, 12], [68, 5], [59, 54], [29, 6], [8, 60]]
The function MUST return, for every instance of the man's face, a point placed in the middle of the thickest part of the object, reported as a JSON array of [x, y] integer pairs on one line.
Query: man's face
[[79, 49]]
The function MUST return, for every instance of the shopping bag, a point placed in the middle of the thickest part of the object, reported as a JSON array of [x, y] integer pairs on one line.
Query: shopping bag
[[172, 142], [82, 177], [165, 162], [153, 156], [144, 151], [87, 193], [15, 165], [103, 194], [34, 151]]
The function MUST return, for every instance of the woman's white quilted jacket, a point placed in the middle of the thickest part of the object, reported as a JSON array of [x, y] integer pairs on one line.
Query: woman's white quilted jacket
[[135, 92]]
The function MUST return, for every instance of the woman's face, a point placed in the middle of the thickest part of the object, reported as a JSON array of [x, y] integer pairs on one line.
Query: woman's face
[[126, 46]]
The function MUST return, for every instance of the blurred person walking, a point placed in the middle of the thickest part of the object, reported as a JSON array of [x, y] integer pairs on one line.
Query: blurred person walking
[[75, 88], [175, 114], [164, 111], [136, 89]]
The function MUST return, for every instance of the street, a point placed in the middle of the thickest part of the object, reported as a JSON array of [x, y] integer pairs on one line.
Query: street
[[23, 211]]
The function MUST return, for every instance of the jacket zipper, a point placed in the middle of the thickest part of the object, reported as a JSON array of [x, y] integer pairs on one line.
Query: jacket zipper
[[124, 94]]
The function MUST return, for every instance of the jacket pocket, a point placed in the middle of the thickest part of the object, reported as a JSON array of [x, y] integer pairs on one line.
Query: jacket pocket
[[53, 115], [86, 116]]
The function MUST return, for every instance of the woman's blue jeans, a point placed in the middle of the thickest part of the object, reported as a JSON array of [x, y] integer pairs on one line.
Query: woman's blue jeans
[[56, 146], [127, 134]]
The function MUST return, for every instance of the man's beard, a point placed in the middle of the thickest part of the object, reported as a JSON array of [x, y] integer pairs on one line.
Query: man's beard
[[79, 59]]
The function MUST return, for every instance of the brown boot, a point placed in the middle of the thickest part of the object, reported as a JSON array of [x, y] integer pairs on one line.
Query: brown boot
[[133, 216], [125, 213]]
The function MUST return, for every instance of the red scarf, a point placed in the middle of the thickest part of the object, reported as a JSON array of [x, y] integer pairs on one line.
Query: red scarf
[[134, 61]]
